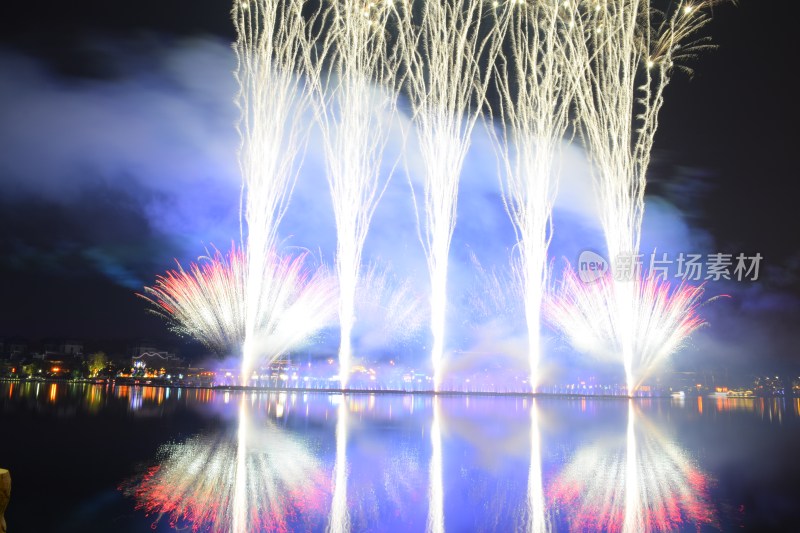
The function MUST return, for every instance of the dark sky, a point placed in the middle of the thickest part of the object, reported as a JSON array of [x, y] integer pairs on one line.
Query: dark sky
[[736, 122], [725, 156], [49, 287]]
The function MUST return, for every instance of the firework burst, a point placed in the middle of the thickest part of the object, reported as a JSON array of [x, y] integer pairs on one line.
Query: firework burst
[[389, 309], [662, 318], [623, 55], [207, 302]]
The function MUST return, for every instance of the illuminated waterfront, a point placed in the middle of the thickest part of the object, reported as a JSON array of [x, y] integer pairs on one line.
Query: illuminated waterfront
[[402, 462], [494, 266]]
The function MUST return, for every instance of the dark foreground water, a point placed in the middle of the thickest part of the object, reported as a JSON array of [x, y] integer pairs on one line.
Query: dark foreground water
[[96, 458]]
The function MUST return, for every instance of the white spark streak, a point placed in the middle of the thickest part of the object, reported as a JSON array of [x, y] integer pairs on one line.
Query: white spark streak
[[534, 87], [356, 104], [271, 46], [620, 74], [446, 83]]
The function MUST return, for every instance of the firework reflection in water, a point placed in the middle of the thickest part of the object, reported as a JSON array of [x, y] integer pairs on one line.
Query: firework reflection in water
[[258, 478], [647, 483]]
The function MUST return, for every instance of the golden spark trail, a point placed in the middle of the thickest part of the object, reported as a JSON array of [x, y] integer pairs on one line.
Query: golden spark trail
[[623, 55], [446, 57], [353, 73], [271, 46], [534, 89]]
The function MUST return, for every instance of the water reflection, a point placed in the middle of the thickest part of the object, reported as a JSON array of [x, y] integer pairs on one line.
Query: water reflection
[[240, 475], [262, 478], [339, 521], [537, 518], [258, 478], [435, 488], [644, 482], [377, 462]]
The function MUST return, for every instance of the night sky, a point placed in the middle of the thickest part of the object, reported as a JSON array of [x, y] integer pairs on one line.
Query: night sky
[[83, 226]]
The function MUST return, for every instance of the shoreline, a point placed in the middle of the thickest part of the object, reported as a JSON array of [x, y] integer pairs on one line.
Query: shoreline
[[309, 390]]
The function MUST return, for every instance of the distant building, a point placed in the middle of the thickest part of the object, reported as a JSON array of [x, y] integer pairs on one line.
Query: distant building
[[769, 386], [71, 347], [157, 363], [685, 381], [17, 348], [59, 366], [140, 348], [51, 345]]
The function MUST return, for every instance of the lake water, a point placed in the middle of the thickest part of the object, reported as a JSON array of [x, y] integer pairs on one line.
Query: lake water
[[89, 458]]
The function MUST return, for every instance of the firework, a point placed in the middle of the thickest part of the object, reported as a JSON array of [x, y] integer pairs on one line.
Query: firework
[[240, 488], [300, 303], [205, 302], [580, 311], [388, 308], [234, 481], [649, 485], [662, 318], [496, 292], [623, 55], [208, 302], [534, 88], [445, 58], [356, 105], [272, 44]]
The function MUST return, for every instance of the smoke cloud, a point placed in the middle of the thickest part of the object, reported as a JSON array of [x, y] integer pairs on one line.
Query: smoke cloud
[[140, 167]]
